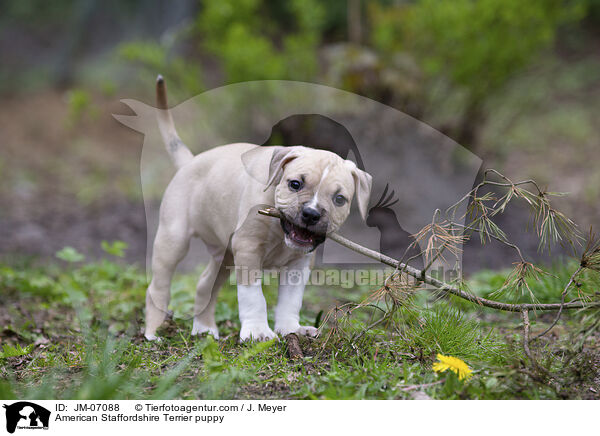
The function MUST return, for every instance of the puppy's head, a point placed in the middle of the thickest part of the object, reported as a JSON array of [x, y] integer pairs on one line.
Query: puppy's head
[[313, 192]]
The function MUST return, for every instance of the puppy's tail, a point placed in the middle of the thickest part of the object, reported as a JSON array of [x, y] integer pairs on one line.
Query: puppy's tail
[[178, 151]]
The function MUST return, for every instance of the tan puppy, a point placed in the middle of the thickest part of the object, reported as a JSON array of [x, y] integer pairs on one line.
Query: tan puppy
[[215, 196]]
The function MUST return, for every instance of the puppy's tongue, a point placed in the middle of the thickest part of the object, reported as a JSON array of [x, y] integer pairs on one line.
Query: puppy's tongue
[[300, 235]]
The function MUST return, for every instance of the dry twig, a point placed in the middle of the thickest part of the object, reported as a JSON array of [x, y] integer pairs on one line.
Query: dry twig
[[293, 346], [440, 285], [550, 225]]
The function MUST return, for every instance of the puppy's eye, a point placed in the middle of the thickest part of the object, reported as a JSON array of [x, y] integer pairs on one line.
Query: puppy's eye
[[339, 200], [295, 185]]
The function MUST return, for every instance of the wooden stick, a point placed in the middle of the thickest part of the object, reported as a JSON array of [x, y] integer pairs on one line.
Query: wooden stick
[[293, 346], [438, 284], [526, 329]]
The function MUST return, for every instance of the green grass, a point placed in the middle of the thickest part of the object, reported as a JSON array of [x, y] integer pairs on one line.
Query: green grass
[[71, 329]]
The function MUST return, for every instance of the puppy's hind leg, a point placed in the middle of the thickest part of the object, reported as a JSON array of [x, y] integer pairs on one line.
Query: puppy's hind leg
[[170, 246], [207, 290]]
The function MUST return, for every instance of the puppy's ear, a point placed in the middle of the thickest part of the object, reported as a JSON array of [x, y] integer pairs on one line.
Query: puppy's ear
[[281, 157], [362, 188]]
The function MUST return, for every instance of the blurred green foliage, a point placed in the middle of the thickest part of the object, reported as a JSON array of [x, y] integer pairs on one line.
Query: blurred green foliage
[[17, 350], [468, 50], [32, 12], [70, 254], [254, 42], [480, 44], [80, 105], [424, 53], [116, 248], [155, 58], [477, 45]]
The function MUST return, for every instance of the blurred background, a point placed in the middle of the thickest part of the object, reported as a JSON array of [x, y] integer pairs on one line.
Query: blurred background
[[517, 83]]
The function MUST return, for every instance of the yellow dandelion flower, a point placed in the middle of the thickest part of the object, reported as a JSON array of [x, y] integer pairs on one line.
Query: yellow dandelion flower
[[454, 364]]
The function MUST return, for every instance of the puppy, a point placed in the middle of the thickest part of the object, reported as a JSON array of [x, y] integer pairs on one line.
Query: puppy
[[215, 197]]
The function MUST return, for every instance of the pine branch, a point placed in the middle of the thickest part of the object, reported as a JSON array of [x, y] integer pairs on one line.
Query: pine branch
[[439, 284]]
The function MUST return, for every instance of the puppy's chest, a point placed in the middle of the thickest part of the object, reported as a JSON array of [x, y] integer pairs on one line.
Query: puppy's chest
[[277, 255]]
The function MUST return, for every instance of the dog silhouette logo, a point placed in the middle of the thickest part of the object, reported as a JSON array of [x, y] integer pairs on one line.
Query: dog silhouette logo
[[26, 415], [426, 169]]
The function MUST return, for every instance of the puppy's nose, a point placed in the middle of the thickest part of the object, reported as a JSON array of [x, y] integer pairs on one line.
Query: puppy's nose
[[310, 215]]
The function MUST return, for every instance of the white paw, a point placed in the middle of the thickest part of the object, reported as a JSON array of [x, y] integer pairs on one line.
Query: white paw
[[303, 330], [198, 328], [256, 332], [152, 338]]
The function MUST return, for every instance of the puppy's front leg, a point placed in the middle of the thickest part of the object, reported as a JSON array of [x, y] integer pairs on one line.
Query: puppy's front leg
[[251, 301], [253, 313], [292, 282]]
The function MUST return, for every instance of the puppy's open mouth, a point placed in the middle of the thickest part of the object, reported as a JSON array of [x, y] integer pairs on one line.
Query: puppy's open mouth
[[299, 236]]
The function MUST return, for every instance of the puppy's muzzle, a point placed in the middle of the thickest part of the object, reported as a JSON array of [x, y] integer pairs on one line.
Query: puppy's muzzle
[[307, 231]]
